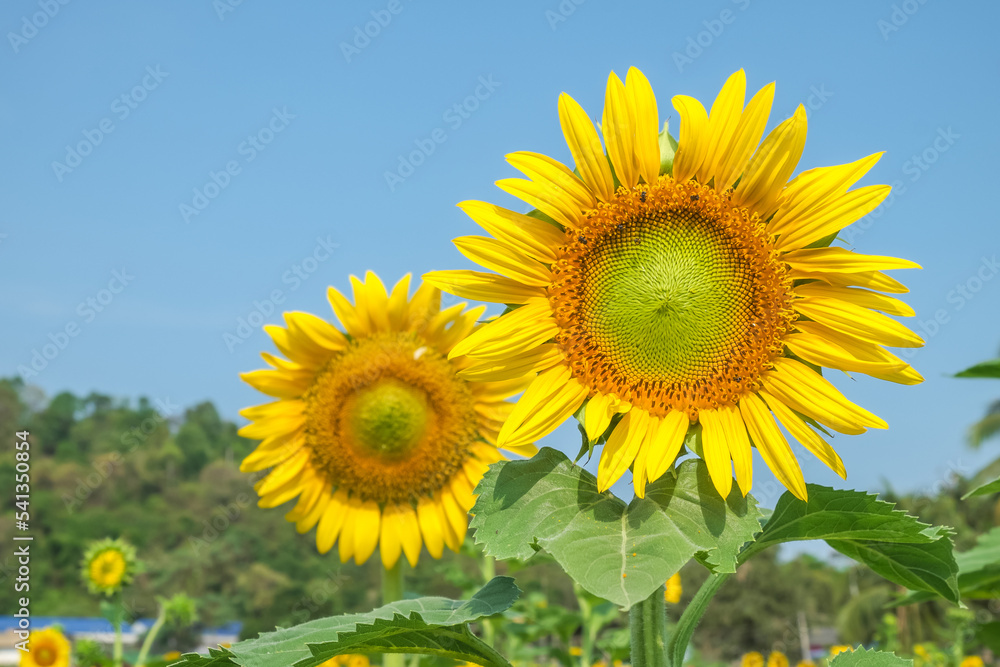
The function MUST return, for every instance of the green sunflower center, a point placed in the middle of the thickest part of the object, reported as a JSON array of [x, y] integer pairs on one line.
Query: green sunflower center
[[389, 420], [662, 296], [389, 417], [671, 298]]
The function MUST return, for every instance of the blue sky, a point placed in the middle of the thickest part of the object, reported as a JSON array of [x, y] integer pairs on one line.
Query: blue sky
[[171, 169]]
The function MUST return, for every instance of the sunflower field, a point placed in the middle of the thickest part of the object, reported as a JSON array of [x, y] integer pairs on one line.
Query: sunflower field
[[709, 385]]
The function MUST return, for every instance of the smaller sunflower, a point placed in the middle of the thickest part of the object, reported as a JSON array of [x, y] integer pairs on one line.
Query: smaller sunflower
[[108, 565], [777, 659], [752, 659], [46, 648]]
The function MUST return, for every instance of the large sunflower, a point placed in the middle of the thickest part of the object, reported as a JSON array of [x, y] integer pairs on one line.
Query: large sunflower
[[373, 430], [46, 648], [693, 294]]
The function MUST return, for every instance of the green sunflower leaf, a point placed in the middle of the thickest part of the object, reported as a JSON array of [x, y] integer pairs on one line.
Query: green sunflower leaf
[[979, 567], [987, 369], [428, 626], [859, 525], [865, 658], [984, 489], [618, 552]]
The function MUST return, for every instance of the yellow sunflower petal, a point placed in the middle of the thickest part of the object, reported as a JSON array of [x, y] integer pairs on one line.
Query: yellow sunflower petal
[[350, 318], [618, 127], [543, 169], [549, 401], [692, 146], [284, 472], [772, 165], [539, 359], [859, 297], [772, 445], [332, 522], [481, 286], [875, 280], [519, 330], [531, 236], [377, 302], [735, 433], [647, 124], [550, 201], [586, 148], [431, 519], [390, 541], [503, 259], [280, 384], [666, 443], [806, 391], [345, 545], [597, 416], [456, 518], [825, 352], [748, 132], [716, 451], [864, 351], [805, 435], [813, 188], [857, 321], [722, 122], [622, 447], [841, 260], [399, 304]]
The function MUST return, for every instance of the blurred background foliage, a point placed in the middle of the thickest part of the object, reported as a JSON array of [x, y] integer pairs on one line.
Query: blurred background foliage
[[168, 480]]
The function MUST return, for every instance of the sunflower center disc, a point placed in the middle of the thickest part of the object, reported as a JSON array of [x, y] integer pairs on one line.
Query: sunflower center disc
[[671, 298], [45, 656], [388, 420], [389, 417], [661, 299]]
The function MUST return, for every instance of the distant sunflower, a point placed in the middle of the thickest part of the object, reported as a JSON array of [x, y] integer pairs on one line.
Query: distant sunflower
[[46, 648], [374, 431], [108, 565], [752, 659], [689, 292]]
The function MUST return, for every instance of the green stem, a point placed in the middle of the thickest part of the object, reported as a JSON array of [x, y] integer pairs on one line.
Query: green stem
[[488, 567], [647, 622], [116, 655], [587, 622], [147, 643], [392, 591], [689, 620]]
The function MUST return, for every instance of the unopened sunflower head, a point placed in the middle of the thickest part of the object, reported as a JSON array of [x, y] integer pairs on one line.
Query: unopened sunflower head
[[684, 296], [46, 648], [379, 436], [108, 565]]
